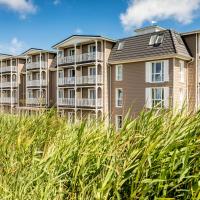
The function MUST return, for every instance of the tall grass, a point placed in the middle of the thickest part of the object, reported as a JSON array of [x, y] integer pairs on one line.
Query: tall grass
[[156, 156]]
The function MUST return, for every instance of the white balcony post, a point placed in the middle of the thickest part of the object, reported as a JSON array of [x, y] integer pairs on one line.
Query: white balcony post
[[57, 85], [26, 83], [75, 83], [40, 99], [17, 81], [11, 82], [96, 81]]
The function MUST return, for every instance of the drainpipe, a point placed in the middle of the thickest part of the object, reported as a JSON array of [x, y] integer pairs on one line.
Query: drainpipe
[[191, 61]]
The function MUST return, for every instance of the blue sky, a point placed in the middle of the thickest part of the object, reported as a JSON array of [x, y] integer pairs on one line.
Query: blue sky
[[42, 23]]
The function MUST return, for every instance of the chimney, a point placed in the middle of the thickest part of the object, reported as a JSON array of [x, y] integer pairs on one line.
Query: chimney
[[149, 29]]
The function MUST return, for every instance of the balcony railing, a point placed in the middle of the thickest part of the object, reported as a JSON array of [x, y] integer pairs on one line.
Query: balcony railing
[[85, 57], [66, 81], [89, 102], [66, 102], [89, 79], [36, 65], [36, 83], [8, 84], [9, 69], [80, 80], [36, 101], [8, 99], [79, 102]]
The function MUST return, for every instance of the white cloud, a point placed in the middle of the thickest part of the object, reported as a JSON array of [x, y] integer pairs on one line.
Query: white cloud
[[140, 11], [23, 7], [14, 47], [56, 2]]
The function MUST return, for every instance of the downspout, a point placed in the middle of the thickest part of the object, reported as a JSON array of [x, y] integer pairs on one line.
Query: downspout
[[191, 61]]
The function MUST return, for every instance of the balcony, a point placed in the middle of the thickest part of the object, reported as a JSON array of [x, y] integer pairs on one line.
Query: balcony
[[89, 79], [86, 57], [79, 102], [66, 102], [36, 65], [8, 100], [66, 81], [8, 84], [36, 83], [9, 69], [36, 101]]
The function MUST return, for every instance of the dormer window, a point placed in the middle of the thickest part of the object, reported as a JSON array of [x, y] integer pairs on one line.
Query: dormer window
[[156, 39], [120, 46]]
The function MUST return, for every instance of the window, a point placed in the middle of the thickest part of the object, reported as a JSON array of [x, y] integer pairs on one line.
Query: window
[[118, 72], [91, 48], [29, 60], [30, 94], [157, 97], [156, 39], [91, 94], [157, 72], [120, 46], [118, 122], [119, 97], [37, 76], [61, 74], [60, 53], [71, 52], [14, 63], [71, 93], [37, 58], [182, 71], [91, 71], [61, 93], [71, 73]]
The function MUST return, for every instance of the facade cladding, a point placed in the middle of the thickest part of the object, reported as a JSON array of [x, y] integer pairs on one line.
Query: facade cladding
[[90, 76]]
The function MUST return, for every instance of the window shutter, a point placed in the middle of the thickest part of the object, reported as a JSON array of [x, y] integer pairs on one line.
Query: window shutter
[[166, 97], [166, 70], [148, 97], [148, 72]]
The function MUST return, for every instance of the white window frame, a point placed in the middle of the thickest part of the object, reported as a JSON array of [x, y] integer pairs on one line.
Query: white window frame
[[182, 71], [70, 93], [154, 98], [154, 39], [118, 69], [154, 74], [117, 122], [90, 46], [70, 73], [117, 100], [91, 68], [60, 53], [61, 74], [71, 52], [61, 93], [89, 92]]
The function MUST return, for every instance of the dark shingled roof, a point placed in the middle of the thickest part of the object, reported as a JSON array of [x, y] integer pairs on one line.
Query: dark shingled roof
[[137, 47]]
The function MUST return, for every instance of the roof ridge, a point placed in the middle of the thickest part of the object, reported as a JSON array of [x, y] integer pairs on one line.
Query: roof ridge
[[173, 42]]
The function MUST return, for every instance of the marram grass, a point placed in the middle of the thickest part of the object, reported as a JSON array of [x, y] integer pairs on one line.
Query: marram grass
[[156, 156]]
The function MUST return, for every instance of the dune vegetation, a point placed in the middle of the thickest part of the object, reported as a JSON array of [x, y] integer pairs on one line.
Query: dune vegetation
[[156, 156]]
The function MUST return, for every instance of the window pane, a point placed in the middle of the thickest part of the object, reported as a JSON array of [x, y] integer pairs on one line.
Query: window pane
[[158, 67]]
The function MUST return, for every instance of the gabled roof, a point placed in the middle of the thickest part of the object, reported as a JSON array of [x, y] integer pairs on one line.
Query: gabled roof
[[137, 47], [80, 38], [8, 56], [36, 51]]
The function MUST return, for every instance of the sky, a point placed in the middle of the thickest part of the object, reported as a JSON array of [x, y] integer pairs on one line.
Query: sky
[[42, 23]]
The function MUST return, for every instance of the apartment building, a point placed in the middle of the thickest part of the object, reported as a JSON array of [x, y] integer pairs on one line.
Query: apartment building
[[82, 74], [90, 76], [156, 67], [11, 84], [38, 74]]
